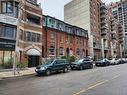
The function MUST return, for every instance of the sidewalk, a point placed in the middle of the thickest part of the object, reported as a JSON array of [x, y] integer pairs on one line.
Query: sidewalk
[[9, 73]]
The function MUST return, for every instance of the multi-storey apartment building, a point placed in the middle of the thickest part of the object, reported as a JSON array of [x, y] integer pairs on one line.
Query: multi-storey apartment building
[[21, 31], [62, 39], [92, 15], [86, 14], [105, 30], [119, 11]]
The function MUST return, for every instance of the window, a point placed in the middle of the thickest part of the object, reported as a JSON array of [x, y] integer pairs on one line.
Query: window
[[77, 51], [52, 50], [9, 32], [66, 38], [77, 40], [71, 40], [3, 7], [61, 51], [33, 19], [7, 7], [27, 36], [61, 38], [52, 35], [35, 37], [20, 34], [38, 37]]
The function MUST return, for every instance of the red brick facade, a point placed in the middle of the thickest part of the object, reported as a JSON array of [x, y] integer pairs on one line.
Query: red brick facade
[[71, 42]]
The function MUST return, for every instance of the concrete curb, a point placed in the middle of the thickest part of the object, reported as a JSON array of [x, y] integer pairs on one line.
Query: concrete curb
[[16, 76]]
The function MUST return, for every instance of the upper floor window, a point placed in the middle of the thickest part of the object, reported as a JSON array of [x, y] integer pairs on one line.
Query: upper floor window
[[33, 19], [20, 34], [52, 35], [27, 36], [35, 37], [10, 32], [61, 38], [38, 37], [7, 7]]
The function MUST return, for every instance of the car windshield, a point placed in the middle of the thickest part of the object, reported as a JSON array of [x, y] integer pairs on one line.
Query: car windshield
[[48, 62], [99, 59], [78, 61]]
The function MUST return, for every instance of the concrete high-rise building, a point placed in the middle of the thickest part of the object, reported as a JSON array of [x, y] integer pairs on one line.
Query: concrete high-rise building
[[86, 14], [119, 11], [96, 17]]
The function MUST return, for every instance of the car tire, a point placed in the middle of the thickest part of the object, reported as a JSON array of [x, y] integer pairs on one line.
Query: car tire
[[81, 68], [48, 72], [91, 66], [65, 70]]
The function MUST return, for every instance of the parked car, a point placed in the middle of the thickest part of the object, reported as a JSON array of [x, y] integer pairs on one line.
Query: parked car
[[82, 64], [114, 61], [125, 60], [121, 61], [102, 62], [51, 66]]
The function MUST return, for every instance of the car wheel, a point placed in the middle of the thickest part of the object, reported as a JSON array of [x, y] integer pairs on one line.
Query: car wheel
[[65, 70], [91, 66], [81, 68], [48, 72]]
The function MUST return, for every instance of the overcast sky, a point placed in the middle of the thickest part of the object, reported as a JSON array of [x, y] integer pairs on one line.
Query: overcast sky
[[55, 8]]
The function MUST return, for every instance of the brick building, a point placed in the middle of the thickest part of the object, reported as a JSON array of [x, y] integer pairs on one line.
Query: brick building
[[62, 39], [21, 23]]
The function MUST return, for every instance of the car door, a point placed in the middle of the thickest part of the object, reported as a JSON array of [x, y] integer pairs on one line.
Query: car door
[[58, 65], [86, 63]]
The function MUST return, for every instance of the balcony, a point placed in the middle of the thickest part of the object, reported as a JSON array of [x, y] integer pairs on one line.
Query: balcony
[[113, 36], [106, 48], [33, 20], [103, 17], [8, 19], [102, 6], [103, 32], [103, 27]]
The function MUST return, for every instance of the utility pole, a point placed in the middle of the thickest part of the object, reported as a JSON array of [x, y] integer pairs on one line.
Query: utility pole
[[17, 36]]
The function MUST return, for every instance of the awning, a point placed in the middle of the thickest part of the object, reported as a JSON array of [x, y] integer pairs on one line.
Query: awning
[[33, 52]]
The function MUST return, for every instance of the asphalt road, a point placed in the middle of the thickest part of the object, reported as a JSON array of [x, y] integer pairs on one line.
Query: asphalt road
[[111, 80]]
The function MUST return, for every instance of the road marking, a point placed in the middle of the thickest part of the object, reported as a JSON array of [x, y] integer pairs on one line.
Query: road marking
[[115, 77], [95, 85], [100, 83]]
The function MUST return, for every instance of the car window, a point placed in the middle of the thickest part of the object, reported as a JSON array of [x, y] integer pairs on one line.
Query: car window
[[59, 61]]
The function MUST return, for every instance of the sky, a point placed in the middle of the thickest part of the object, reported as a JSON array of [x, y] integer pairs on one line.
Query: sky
[[55, 8]]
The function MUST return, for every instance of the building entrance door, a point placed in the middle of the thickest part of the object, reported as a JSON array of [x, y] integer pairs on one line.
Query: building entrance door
[[33, 61]]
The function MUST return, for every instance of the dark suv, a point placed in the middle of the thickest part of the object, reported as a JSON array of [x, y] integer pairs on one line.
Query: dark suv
[[55, 65], [82, 64]]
